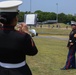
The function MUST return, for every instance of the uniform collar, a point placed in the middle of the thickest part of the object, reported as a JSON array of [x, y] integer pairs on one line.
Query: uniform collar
[[8, 27]]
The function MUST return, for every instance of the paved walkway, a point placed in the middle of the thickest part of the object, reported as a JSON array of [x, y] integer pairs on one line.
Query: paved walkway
[[54, 37]]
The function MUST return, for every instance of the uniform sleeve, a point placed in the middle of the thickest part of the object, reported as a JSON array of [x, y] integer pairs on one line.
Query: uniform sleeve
[[31, 48], [74, 37], [68, 43], [70, 38]]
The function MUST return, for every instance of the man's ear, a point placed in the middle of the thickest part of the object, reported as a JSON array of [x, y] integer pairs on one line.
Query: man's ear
[[15, 20]]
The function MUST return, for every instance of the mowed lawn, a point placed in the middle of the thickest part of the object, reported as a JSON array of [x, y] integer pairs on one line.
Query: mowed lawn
[[52, 52], [51, 57]]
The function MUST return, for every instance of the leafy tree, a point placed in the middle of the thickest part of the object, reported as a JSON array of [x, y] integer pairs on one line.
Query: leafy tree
[[21, 16], [52, 16], [44, 16], [38, 11], [62, 18]]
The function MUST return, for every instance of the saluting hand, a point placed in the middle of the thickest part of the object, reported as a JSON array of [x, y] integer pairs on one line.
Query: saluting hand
[[23, 28]]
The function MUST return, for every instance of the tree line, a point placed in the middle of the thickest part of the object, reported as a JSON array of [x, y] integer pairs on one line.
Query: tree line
[[44, 16]]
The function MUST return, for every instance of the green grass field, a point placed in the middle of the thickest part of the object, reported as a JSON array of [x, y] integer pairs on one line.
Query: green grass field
[[52, 54], [53, 31]]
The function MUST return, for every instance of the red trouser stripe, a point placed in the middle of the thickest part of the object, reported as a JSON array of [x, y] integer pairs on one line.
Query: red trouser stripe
[[69, 59]]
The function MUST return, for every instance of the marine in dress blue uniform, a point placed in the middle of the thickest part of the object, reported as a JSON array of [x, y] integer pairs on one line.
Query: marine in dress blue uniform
[[70, 63], [14, 45]]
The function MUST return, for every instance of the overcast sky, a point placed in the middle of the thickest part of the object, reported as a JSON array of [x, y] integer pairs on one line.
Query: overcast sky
[[65, 6]]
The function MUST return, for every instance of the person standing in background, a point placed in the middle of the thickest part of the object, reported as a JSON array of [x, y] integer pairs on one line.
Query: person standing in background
[[70, 63]]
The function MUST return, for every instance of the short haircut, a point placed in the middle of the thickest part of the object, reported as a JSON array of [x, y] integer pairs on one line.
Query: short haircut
[[7, 17]]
